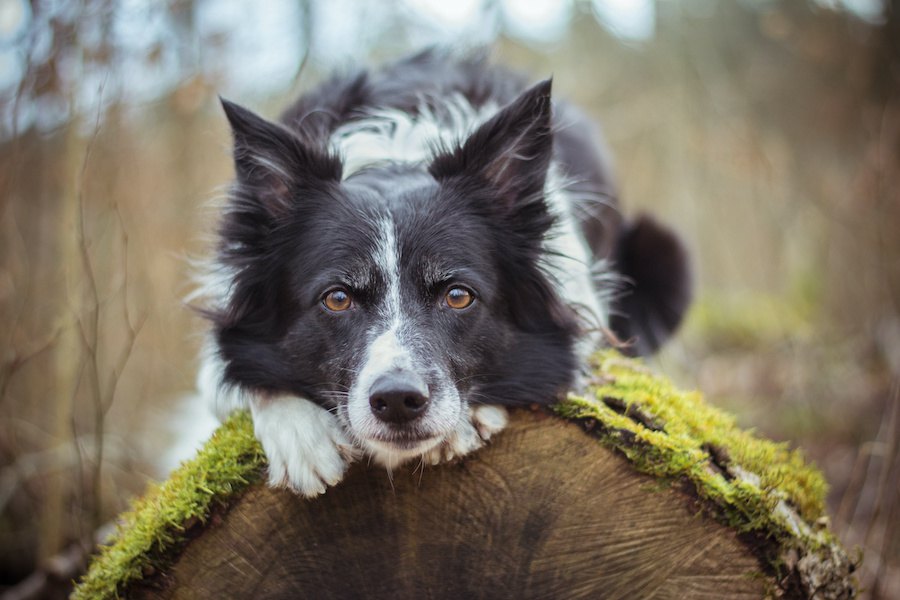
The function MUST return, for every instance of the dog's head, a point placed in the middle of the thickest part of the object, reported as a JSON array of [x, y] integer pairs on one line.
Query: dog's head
[[401, 294]]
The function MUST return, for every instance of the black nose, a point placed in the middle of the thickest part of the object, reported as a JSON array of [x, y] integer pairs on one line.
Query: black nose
[[398, 397]]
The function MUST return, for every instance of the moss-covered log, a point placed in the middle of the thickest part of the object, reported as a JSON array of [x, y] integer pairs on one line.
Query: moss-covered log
[[633, 490]]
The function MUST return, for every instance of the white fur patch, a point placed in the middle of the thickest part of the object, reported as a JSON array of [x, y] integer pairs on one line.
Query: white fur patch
[[472, 431], [573, 267], [392, 135], [391, 457], [221, 399], [489, 419], [306, 446], [190, 422], [385, 354], [387, 257]]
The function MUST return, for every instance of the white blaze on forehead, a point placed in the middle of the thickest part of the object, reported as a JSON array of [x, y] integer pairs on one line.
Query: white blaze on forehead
[[387, 258], [386, 351]]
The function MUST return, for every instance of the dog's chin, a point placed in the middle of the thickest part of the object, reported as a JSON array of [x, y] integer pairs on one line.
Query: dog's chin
[[394, 452]]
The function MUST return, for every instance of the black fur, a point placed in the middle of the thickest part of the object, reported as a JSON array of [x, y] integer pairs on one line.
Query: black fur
[[656, 269]]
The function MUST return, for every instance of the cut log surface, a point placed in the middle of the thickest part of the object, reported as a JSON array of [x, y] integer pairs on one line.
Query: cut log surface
[[543, 511]]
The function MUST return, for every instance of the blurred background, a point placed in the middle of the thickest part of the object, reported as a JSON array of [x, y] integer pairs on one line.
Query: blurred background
[[766, 132]]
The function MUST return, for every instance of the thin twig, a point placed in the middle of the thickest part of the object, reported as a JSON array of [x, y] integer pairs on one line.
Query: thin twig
[[133, 329], [92, 342]]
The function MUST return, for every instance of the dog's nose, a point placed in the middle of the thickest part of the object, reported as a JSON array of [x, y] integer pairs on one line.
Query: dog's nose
[[398, 397]]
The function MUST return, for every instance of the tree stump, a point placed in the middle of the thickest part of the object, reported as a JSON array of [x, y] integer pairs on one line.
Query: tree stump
[[613, 496]]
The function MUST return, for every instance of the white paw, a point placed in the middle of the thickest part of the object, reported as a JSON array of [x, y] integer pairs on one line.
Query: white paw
[[306, 447], [489, 419], [470, 434]]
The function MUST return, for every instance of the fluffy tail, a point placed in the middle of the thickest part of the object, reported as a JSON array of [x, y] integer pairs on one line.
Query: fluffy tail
[[657, 276]]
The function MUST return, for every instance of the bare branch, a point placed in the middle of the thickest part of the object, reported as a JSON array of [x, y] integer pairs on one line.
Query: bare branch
[[93, 317]]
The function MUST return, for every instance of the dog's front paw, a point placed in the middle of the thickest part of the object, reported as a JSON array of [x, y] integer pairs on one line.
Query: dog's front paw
[[470, 434], [489, 419], [306, 447]]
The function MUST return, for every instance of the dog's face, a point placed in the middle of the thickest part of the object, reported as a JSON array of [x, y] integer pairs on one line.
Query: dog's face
[[401, 294]]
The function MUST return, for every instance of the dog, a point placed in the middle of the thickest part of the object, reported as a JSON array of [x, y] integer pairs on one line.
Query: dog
[[411, 250]]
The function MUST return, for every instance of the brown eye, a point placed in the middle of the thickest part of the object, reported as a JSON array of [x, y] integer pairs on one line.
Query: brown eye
[[459, 298], [337, 300]]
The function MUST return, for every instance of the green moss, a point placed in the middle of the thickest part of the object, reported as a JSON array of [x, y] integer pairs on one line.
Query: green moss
[[753, 485], [158, 523], [673, 434]]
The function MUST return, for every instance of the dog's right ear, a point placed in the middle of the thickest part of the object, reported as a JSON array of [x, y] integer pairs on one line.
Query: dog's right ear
[[272, 163], [510, 151]]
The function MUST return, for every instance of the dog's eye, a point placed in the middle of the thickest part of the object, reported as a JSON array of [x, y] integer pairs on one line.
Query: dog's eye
[[337, 300], [459, 297]]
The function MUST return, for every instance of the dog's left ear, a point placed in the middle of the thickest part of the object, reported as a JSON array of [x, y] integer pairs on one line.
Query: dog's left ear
[[511, 151]]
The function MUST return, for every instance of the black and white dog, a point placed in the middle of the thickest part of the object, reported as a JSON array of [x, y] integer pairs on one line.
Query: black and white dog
[[409, 251]]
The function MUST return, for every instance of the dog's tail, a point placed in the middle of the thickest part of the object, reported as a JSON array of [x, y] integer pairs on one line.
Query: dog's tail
[[657, 282]]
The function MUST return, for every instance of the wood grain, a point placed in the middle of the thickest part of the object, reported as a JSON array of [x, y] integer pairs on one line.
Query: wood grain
[[544, 512]]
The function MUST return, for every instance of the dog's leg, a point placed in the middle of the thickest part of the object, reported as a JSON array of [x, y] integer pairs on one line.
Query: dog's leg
[[473, 430], [306, 447]]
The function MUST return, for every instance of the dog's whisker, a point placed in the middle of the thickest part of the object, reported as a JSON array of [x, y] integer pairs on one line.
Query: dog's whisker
[[421, 470], [390, 474]]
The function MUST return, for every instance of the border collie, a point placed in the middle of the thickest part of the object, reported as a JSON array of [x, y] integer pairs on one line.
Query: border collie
[[409, 251]]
